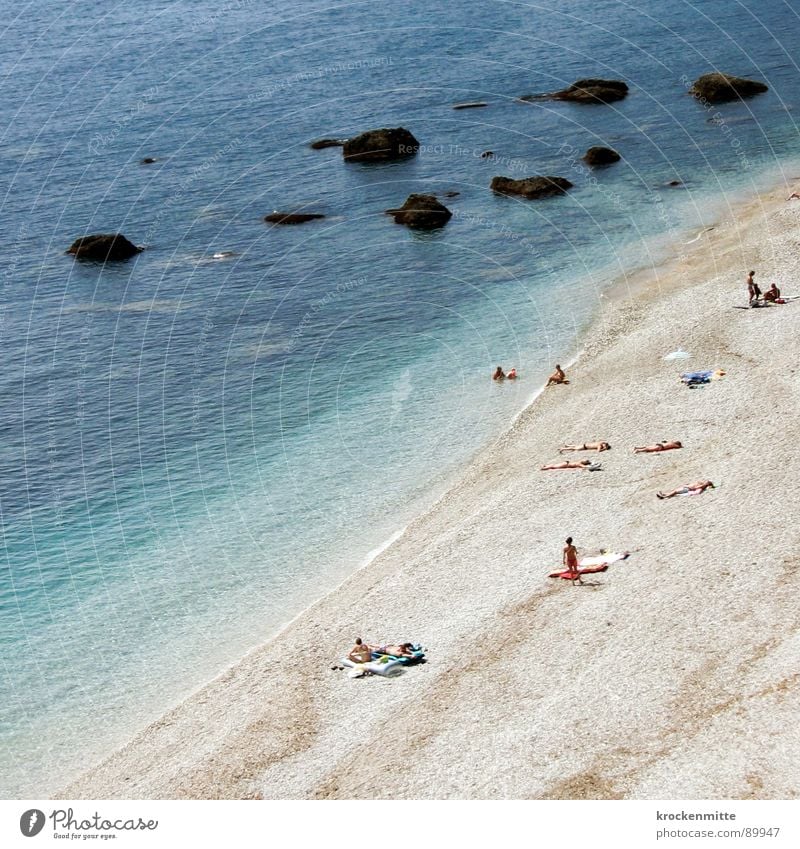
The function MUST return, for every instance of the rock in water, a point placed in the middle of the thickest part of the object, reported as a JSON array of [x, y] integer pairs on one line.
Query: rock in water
[[422, 212], [720, 88], [105, 247], [601, 156], [531, 187], [291, 217], [594, 91], [382, 145], [586, 91], [319, 144]]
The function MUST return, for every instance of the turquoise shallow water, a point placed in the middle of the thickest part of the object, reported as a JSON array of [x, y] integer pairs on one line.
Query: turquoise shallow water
[[194, 449]]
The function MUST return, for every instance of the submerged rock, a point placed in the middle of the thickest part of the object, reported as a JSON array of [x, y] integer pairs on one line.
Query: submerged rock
[[319, 144], [601, 156], [383, 145], [422, 212], [589, 90], [103, 247], [720, 88], [531, 187], [291, 217]]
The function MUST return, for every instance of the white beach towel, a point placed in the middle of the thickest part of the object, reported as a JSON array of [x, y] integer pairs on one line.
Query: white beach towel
[[599, 559]]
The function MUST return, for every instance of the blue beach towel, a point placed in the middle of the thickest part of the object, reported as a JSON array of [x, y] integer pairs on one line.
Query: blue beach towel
[[694, 377]]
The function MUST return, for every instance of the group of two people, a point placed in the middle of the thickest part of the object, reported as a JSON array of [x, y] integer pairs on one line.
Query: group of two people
[[664, 445], [756, 298], [362, 653], [499, 374]]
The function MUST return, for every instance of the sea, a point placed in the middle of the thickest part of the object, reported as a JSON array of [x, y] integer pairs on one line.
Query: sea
[[194, 448]]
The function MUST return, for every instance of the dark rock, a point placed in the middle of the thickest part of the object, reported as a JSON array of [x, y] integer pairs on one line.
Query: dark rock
[[148, 160], [601, 156], [423, 212], [291, 217], [319, 144], [452, 194], [719, 88], [476, 105], [105, 247], [586, 91], [673, 184], [531, 187], [381, 145], [487, 154]]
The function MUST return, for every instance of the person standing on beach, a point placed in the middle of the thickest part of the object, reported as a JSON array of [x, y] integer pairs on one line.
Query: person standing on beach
[[753, 290], [569, 557]]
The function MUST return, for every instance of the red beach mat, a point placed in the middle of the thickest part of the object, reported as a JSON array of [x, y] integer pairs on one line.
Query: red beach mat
[[568, 576]]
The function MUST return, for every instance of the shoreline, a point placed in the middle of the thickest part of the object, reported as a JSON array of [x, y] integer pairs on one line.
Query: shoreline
[[206, 717]]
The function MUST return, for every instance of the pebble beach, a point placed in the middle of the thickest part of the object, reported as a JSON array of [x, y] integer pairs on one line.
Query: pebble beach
[[671, 675]]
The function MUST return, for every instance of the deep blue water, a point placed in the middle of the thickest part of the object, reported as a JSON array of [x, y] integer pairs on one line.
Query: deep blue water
[[194, 449]]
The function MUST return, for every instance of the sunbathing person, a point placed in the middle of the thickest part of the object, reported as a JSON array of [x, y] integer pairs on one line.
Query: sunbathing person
[[659, 446], [397, 649], [499, 374], [690, 489], [571, 464], [360, 653], [557, 376], [586, 446], [773, 294]]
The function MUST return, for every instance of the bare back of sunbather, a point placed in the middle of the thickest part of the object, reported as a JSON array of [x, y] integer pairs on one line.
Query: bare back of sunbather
[[360, 653], [397, 650], [586, 446], [567, 464], [659, 446]]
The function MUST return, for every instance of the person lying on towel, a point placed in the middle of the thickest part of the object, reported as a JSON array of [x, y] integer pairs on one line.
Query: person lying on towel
[[690, 489], [664, 445], [396, 649]]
